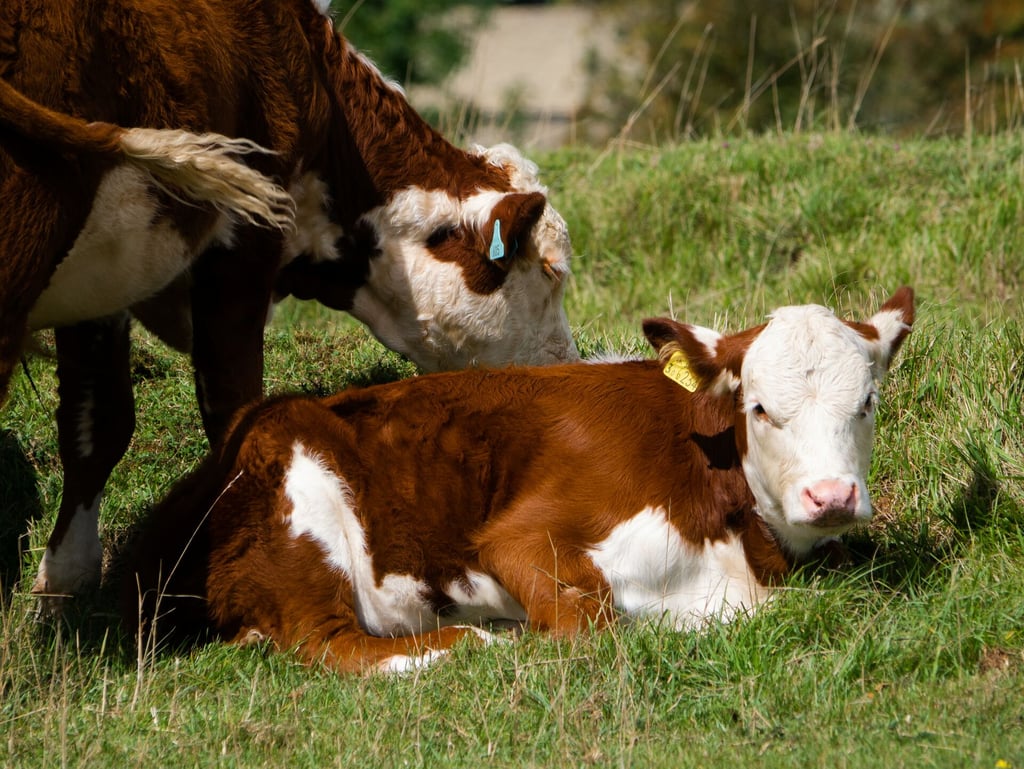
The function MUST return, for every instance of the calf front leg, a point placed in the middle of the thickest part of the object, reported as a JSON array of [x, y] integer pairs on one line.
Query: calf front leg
[[345, 647], [95, 421], [554, 580]]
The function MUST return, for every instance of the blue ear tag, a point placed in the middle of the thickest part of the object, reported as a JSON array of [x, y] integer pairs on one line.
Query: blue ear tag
[[497, 247]]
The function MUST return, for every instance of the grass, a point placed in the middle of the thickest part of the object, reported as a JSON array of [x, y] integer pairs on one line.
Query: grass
[[912, 656]]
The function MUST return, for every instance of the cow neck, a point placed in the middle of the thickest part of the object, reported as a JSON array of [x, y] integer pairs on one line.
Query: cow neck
[[381, 145]]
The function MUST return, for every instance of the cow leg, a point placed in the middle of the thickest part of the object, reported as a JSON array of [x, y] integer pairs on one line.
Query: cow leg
[[555, 581], [230, 300], [347, 648], [95, 421], [33, 230]]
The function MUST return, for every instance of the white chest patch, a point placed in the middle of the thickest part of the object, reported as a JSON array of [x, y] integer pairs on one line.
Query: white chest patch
[[653, 571], [124, 253], [323, 509]]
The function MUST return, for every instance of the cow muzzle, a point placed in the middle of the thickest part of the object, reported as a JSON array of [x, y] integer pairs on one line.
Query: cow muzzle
[[831, 503]]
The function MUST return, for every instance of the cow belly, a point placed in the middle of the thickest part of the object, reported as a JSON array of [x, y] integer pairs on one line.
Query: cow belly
[[653, 571], [126, 252], [323, 509]]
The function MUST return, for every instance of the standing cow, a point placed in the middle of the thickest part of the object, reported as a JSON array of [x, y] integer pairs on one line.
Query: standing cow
[[368, 529], [453, 258]]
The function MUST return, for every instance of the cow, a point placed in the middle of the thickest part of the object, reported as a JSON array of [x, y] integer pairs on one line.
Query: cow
[[113, 117], [374, 528]]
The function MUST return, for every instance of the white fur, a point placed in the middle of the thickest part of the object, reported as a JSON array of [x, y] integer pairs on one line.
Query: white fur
[[201, 168], [367, 63], [322, 509], [314, 233], [123, 254], [403, 663], [421, 307], [484, 600], [322, 5], [76, 562], [726, 381], [652, 571], [128, 249], [811, 374]]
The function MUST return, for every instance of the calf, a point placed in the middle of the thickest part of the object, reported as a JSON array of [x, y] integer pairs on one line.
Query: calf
[[453, 258], [368, 529]]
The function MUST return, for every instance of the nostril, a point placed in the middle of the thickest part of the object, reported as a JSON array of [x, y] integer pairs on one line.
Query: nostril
[[810, 502], [853, 498], [830, 499]]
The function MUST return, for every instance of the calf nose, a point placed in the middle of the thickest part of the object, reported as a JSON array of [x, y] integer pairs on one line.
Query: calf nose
[[831, 502]]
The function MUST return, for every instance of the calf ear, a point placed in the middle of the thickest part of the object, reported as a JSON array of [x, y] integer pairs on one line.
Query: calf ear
[[887, 329], [508, 229], [701, 365]]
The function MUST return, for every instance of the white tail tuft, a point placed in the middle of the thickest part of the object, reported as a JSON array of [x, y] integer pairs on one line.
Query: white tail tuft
[[198, 168]]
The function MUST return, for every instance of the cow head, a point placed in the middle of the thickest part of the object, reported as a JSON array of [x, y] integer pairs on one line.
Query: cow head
[[806, 390], [451, 281]]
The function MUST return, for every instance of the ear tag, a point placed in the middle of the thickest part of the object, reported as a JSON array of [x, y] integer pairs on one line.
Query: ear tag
[[497, 247], [678, 370]]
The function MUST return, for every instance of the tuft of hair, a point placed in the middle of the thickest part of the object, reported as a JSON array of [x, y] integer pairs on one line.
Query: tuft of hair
[[200, 168], [323, 6], [523, 172]]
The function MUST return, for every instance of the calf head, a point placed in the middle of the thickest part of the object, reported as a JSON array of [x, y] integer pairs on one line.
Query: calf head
[[806, 388]]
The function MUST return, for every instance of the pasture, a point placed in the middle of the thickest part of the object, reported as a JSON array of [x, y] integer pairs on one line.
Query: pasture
[[913, 655]]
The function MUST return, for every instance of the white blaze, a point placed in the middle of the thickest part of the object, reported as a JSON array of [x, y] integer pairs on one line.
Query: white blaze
[[814, 378]]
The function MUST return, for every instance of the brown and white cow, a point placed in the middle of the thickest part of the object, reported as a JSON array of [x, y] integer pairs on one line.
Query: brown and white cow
[[453, 258], [374, 528]]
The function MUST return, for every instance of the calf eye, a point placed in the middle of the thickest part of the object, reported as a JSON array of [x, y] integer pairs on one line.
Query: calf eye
[[760, 413]]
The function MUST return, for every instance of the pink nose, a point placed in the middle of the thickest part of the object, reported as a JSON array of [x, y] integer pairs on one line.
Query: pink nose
[[830, 502]]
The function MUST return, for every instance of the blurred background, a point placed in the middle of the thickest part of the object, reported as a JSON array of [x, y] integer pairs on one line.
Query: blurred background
[[548, 74]]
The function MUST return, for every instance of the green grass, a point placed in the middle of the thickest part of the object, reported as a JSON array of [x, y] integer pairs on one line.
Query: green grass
[[912, 656]]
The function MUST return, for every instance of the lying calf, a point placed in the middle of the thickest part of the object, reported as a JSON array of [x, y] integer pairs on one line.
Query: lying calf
[[372, 528]]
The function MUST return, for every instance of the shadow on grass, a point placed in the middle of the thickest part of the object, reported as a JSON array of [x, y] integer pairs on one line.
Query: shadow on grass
[[911, 555], [981, 505], [20, 505]]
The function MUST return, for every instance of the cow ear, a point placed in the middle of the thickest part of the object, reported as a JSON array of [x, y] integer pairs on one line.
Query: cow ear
[[508, 230], [887, 328], [690, 355]]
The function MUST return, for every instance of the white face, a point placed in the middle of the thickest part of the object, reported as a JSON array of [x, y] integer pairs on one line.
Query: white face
[[436, 312], [809, 396]]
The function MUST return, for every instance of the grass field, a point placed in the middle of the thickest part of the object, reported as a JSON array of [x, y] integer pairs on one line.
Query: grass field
[[912, 656]]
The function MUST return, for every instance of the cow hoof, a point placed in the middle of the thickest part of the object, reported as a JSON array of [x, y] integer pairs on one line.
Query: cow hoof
[[486, 637], [58, 580], [407, 663]]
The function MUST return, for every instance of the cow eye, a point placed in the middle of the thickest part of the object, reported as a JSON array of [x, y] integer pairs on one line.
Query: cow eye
[[439, 236], [760, 413], [869, 406]]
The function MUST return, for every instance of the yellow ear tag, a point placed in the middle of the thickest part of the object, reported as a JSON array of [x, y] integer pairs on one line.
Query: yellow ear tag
[[678, 370]]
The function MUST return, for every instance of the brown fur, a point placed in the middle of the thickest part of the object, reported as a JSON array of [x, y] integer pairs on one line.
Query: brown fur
[[513, 473]]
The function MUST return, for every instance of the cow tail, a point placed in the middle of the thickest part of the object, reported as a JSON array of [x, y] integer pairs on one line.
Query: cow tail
[[195, 168], [202, 168]]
